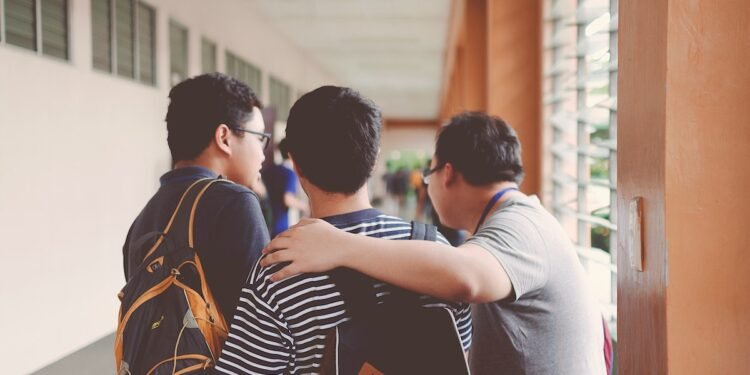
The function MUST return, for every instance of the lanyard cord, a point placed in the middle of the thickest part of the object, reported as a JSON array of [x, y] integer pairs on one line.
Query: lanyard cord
[[491, 204]]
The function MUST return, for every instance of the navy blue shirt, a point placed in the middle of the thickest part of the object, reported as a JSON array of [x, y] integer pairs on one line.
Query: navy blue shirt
[[230, 231], [279, 180]]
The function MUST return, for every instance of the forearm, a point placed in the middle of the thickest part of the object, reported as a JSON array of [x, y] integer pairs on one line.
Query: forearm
[[425, 267]]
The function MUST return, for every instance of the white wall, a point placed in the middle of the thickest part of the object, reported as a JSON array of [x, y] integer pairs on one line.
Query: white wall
[[81, 153]]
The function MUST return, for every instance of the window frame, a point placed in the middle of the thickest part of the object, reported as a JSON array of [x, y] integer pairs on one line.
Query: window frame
[[135, 38], [208, 42], [173, 23], [570, 150], [38, 32], [245, 71], [282, 109]]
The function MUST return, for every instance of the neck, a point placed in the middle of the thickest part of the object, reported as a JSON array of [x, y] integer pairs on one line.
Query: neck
[[479, 197], [324, 204]]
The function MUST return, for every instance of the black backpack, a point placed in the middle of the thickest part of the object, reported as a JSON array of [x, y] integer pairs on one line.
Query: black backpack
[[397, 338], [169, 322]]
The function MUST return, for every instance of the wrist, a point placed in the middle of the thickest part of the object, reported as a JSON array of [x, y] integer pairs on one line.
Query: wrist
[[345, 256]]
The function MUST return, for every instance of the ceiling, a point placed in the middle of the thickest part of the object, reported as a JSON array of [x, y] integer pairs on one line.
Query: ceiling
[[389, 50]]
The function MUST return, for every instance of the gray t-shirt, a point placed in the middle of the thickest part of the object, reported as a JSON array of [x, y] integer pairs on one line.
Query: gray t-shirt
[[551, 324]]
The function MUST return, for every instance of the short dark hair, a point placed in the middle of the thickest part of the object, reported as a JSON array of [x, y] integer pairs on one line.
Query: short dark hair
[[284, 149], [483, 148], [334, 137], [199, 105]]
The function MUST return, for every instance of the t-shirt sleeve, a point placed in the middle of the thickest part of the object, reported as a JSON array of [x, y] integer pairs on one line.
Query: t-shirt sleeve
[[520, 250], [259, 341], [240, 233]]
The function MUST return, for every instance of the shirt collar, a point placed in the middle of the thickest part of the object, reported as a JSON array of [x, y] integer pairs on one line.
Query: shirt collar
[[186, 174], [353, 217]]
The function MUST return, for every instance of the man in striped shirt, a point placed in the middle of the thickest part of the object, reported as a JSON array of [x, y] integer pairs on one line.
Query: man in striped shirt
[[280, 327]]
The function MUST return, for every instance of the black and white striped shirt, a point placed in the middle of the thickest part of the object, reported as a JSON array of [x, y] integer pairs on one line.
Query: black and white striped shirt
[[279, 328]]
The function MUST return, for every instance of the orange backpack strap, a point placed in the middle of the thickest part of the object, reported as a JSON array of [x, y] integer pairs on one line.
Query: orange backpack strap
[[189, 195]]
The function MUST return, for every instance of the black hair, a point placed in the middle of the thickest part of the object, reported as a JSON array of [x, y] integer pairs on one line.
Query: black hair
[[482, 147], [334, 137], [284, 149], [199, 105]]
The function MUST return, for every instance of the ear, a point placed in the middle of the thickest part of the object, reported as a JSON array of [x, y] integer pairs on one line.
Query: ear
[[222, 139], [450, 176]]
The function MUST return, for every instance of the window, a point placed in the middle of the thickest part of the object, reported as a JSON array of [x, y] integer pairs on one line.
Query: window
[[55, 28], [101, 29], [279, 97], [580, 114], [146, 44], [208, 56], [123, 36], [36, 25], [178, 53], [245, 72]]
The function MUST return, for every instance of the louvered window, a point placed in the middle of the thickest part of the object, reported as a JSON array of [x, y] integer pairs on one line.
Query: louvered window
[[580, 114], [36, 25], [208, 56], [178, 52], [55, 28], [123, 39], [146, 44], [245, 72], [101, 28], [20, 23], [279, 97]]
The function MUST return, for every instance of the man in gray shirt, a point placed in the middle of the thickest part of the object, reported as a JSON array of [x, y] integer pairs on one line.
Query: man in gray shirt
[[533, 311]]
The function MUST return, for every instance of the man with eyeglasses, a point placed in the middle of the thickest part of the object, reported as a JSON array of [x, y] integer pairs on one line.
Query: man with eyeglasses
[[214, 129], [532, 308]]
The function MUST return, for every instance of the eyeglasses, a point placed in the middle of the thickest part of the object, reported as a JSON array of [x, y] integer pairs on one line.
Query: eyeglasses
[[265, 138], [427, 172]]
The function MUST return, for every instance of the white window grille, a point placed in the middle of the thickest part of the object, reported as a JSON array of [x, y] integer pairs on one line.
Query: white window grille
[[580, 115]]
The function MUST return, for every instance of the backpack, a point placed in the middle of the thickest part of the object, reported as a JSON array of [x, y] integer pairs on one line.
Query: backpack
[[400, 337], [168, 321]]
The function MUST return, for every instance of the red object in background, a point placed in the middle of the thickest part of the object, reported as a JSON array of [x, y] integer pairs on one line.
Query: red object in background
[[608, 350]]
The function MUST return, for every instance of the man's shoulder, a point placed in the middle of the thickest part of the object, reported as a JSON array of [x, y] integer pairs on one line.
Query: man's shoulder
[[227, 191]]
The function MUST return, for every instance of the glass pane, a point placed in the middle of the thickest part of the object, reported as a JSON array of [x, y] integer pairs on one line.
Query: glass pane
[[178, 53], [20, 23], [55, 28], [101, 30], [125, 38], [231, 65], [208, 56], [146, 39], [279, 97]]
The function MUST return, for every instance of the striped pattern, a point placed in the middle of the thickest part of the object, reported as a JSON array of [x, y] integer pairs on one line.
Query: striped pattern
[[280, 327]]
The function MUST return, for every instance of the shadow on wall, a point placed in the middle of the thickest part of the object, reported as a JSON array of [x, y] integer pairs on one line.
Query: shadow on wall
[[96, 358]]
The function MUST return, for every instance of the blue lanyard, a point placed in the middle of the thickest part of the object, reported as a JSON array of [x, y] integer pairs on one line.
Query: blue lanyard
[[491, 204]]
